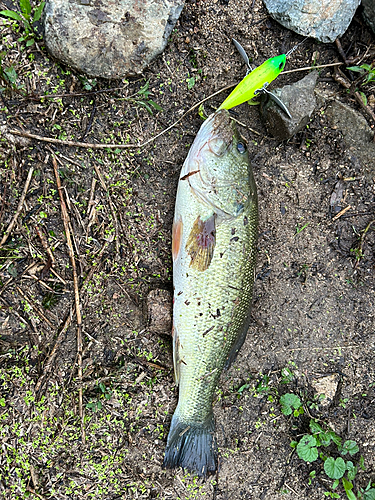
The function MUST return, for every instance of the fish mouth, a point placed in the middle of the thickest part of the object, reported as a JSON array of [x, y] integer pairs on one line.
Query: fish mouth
[[218, 132], [213, 140]]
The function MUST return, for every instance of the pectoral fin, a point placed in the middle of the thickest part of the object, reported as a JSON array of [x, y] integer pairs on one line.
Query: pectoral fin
[[176, 238], [201, 243]]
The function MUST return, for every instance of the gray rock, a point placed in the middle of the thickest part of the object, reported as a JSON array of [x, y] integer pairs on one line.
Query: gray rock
[[369, 13], [108, 38], [324, 20], [299, 99], [357, 134]]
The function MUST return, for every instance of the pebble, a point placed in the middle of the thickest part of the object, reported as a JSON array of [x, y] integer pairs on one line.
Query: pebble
[[327, 386]]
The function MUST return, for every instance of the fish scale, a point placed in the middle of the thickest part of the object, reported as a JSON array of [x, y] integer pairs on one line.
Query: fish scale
[[214, 249]]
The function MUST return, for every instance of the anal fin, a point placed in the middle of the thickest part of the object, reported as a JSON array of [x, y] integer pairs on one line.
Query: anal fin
[[237, 345]]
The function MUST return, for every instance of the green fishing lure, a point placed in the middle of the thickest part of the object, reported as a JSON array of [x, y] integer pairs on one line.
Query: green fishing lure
[[255, 82]]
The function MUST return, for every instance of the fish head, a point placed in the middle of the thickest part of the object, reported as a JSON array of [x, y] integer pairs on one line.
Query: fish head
[[218, 167]]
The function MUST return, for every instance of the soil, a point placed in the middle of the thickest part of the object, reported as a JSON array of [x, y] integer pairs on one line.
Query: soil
[[313, 310]]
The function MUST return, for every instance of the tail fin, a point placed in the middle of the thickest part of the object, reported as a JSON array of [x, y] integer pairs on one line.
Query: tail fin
[[192, 446]]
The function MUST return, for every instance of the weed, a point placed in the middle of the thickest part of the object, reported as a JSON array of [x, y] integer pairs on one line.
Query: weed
[[142, 99], [201, 112], [97, 404], [287, 374], [263, 386], [25, 19], [87, 83], [300, 229], [324, 444], [365, 70], [290, 403], [190, 82], [9, 76]]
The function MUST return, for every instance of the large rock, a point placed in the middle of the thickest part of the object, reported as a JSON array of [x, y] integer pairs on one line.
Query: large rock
[[109, 38], [324, 20], [358, 136], [369, 13], [300, 100]]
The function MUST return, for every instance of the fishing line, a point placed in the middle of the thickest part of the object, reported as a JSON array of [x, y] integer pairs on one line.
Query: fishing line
[[296, 46]]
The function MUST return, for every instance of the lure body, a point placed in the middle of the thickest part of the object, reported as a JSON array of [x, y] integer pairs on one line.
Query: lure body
[[247, 88]]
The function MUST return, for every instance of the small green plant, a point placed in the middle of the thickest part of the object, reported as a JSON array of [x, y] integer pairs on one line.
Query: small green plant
[[366, 70], [300, 229], [324, 444], [25, 19], [202, 112], [142, 99], [263, 386], [290, 403], [9, 76], [286, 375], [190, 82], [104, 392], [87, 83]]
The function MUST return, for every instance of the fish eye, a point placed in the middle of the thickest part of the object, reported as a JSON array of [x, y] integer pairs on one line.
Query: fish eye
[[281, 65], [241, 148]]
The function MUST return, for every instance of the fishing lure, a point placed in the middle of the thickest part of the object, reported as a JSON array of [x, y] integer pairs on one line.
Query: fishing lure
[[256, 81]]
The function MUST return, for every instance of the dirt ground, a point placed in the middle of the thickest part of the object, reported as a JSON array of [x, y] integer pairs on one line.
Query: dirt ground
[[313, 310]]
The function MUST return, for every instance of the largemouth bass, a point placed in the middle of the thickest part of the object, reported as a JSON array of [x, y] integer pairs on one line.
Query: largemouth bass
[[213, 249]]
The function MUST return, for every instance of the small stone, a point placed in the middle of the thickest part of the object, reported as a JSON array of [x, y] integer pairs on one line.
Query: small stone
[[326, 386], [300, 100], [109, 39], [159, 306], [324, 20]]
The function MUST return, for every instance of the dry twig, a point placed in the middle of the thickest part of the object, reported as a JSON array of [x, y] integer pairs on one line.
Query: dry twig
[[45, 244], [117, 146], [19, 208], [341, 78], [51, 357], [34, 306], [361, 243], [306, 68], [65, 218], [114, 217], [342, 212]]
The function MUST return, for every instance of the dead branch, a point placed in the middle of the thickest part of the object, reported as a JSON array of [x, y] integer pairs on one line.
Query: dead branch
[[45, 244], [19, 208], [119, 146], [65, 218], [34, 306], [51, 357], [307, 68], [114, 217], [341, 78]]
